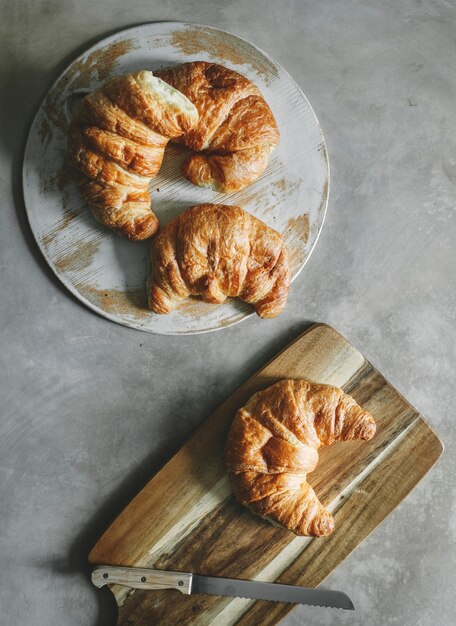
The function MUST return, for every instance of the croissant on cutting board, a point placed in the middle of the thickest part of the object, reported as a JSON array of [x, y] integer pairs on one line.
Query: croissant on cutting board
[[236, 130], [117, 139], [217, 251], [273, 444]]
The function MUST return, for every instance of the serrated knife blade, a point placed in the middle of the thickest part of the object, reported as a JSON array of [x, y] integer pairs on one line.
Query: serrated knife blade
[[142, 578]]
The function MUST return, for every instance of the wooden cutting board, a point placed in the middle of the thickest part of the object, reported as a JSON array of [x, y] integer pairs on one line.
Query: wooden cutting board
[[186, 518]]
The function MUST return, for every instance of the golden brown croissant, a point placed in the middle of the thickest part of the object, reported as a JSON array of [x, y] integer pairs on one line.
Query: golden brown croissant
[[236, 131], [272, 444], [117, 139], [216, 251]]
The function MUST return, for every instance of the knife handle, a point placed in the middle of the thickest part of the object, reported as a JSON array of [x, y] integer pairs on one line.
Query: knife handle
[[141, 578]]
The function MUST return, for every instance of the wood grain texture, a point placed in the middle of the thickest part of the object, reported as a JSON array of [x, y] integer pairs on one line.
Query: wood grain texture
[[141, 578], [186, 518]]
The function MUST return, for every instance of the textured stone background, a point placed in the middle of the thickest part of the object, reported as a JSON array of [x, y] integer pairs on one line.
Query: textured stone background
[[89, 409]]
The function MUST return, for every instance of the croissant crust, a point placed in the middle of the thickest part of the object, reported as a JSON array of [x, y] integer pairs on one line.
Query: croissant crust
[[117, 139], [273, 444], [217, 251], [236, 130]]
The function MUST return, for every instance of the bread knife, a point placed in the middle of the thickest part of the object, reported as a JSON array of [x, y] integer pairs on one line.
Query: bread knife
[[141, 578]]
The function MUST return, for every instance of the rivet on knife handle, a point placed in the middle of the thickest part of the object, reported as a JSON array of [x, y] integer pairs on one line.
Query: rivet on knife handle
[[139, 578]]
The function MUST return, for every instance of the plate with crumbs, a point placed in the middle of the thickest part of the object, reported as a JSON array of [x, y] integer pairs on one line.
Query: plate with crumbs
[[108, 273]]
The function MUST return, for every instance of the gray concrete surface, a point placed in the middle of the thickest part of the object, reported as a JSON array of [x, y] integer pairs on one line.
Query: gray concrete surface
[[89, 409]]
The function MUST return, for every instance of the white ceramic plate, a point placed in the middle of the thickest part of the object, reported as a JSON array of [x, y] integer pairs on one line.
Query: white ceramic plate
[[107, 272]]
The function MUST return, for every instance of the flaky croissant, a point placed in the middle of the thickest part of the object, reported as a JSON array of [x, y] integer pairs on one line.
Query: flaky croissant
[[117, 140], [273, 444], [216, 251], [236, 130]]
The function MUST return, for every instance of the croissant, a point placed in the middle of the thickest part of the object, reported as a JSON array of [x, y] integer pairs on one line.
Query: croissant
[[216, 251], [236, 131], [273, 444], [117, 140]]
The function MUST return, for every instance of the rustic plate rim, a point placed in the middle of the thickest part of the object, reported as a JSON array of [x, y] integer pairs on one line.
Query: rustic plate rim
[[62, 277]]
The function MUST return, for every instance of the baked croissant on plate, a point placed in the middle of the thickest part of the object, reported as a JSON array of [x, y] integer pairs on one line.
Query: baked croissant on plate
[[236, 130], [273, 444], [217, 251], [117, 140]]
